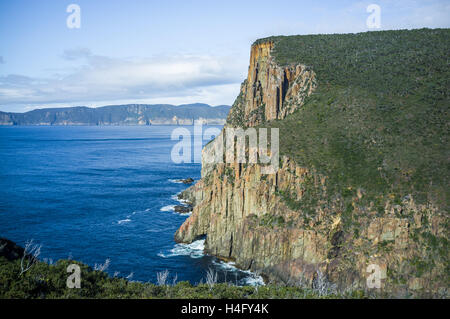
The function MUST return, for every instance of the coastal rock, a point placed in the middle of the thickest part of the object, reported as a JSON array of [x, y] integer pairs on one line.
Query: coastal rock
[[10, 250], [270, 91], [272, 223], [183, 209], [248, 221], [186, 181]]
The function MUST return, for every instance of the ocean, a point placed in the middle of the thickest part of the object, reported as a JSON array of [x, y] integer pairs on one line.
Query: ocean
[[93, 193]]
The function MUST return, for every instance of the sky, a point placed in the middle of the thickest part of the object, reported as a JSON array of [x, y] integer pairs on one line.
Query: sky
[[153, 51]]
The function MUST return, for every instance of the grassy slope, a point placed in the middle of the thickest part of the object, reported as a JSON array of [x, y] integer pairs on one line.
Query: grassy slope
[[379, 119]]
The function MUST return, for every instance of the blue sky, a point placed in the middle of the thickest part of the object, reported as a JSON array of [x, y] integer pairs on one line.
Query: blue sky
[[148, 51]]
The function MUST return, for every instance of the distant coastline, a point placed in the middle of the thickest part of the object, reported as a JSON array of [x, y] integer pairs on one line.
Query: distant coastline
[[119, 115]]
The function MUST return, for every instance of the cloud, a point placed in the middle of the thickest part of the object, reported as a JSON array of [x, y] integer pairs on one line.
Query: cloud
[[431, 14], [101, 78], [352, 17], [75, 54]]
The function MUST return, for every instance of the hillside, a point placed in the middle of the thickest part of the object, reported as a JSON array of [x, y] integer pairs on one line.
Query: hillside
[[364, 166], [379, 118], [134, 114]]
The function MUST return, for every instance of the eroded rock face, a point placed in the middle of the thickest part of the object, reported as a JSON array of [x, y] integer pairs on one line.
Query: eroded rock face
[[246, 220], [262, 222], [270, 92], [183, 209]]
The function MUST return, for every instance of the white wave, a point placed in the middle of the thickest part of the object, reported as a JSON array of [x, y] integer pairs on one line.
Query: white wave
[[123, 221], [175, 197], [171, 208], [183, 214], [194, 250], [138, 212], [168, 208], [132, 214], [228, 266], [176, 181], [251, 279]]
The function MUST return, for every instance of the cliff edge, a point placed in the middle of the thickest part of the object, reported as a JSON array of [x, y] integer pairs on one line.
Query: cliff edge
[[361, 187]]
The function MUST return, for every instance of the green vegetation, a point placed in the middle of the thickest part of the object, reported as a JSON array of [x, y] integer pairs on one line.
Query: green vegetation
[[236, 115], [377, 124], [379, 118], [271, 221], [309, 201], [229, 173], [391, 62], [49, 281]]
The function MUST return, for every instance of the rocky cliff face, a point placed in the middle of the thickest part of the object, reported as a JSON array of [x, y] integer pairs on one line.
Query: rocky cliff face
[[290, 227], [270, 92]]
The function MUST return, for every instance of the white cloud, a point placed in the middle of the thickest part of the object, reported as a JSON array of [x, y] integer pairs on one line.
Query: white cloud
[[431, 14], [182, 78], [395, 14]]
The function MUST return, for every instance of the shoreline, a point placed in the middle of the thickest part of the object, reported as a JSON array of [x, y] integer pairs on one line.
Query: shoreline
[[221, 262]]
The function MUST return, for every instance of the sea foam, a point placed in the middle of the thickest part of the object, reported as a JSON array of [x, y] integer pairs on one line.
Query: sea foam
[[194, 250], [168, 208], [250, 279]]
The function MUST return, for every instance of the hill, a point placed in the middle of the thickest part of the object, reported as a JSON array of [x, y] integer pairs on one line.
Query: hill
[[133, 114], [364, 167]]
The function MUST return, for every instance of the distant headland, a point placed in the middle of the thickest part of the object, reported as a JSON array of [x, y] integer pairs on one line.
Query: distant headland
[[131, 114]]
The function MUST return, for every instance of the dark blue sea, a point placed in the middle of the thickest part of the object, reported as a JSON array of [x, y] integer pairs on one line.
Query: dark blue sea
[[94, 193]]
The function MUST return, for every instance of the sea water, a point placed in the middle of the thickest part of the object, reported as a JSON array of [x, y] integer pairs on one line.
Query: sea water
[[93, 193]]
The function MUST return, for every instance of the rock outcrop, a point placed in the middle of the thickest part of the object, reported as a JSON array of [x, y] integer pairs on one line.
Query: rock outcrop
[[290, 227], [10, 250], [183, 209], [270, 91]]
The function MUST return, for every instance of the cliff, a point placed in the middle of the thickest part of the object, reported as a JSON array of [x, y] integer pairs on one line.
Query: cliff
[[270, 92], [134, 114], [359, 186]]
